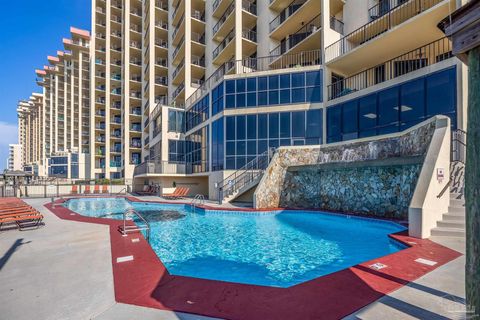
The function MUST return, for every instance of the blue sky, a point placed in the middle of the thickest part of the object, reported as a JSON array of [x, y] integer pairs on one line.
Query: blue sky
[[30, 31]]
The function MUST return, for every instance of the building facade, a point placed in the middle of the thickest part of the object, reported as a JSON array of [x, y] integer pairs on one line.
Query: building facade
[[188, 91], [15, 157]]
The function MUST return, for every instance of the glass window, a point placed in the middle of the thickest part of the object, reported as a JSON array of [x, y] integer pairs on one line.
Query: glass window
[[285, 81], [285, 125], [367, 115], [230, 122], [388, 107], [251, 99], [241, 100], [273, 125], [251, 126], [298, 95], [350, 120], [298, 124], [273, 97], [251, 147], [262, 98], [273, 82], [314, 123], [262, 126], [285, 96], [240, 85], [241, 125], [230, 101], [262, 83], [298, 80], [412, 97], [252, 84], [313, 78], [230, 148], [230, 86], [262, 146], [441, 93], [334, 130], [241, 147], [313, 94]]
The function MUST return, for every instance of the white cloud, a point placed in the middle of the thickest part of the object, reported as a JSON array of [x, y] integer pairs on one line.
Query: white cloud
[[8, 133]]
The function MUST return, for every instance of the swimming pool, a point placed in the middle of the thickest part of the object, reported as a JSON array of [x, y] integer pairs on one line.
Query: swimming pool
[[280, 248]]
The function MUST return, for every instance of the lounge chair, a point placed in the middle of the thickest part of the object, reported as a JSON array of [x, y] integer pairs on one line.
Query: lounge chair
[[87, 189], [33, 220], [105, 189], [177, 193], [74, 190], [148, 190], [96, 189]]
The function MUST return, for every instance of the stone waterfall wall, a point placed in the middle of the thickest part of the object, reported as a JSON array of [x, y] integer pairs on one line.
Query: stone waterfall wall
[[281, 187], [384, 191]]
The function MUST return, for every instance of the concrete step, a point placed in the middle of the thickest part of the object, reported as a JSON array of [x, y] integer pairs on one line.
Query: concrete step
[[456, 210], [457, 202], [448, 232], [453, 217], [457, 224], [456, 195]]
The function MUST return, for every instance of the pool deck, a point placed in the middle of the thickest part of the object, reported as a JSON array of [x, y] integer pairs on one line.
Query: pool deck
[[64, 270]]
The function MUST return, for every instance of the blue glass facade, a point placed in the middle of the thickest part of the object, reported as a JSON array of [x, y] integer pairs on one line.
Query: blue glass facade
[[394, 109], [274, 90], [198, 113], [247, 136]]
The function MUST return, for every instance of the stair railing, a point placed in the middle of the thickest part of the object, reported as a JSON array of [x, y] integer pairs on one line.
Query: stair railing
[[245, 175], [458, 153], [126, 228]]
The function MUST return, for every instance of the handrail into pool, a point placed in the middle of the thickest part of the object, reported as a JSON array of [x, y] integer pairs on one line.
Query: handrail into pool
[[134, 228], [198, 198]]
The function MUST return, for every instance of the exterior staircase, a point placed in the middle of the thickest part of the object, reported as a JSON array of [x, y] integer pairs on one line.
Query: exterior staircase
[[245, 178], [453, 222]]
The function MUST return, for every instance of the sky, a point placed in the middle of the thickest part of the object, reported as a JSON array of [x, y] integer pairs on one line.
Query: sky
[[30, 30]]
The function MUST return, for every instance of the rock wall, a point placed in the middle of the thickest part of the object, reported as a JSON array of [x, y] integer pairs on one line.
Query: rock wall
[[384, 191], [278, 183]]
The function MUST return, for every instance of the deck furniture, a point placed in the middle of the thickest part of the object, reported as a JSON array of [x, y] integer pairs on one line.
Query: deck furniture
[[87, 189], [104, 189]]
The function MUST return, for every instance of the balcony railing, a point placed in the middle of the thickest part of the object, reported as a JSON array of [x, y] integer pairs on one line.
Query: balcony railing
[[249, 7], [421, 57], [247, 65], [178, 90], [198, 15], [178, 69], [197, 37], [336, 25], [224, 43], [224, 17], [159, 167], [287, 12], [382, 21], [308, 29]]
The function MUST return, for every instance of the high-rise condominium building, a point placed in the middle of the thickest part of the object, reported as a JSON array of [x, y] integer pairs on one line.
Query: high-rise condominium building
[[188, 91], [15, 157]]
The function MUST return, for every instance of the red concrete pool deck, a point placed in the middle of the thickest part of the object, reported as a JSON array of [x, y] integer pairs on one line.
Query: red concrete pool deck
[[146, 282]]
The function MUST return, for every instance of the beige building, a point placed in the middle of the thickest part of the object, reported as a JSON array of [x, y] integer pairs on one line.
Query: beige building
[[189, 91], [15, 157]]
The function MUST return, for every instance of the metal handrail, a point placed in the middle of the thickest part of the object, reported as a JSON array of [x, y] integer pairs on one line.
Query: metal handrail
[[119, 192], [445, 188], [249, 172], [198, 197], [126, 229]]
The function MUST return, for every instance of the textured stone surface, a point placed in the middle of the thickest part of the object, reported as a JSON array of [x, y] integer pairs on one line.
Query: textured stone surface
[[308, 188], [384, 191]]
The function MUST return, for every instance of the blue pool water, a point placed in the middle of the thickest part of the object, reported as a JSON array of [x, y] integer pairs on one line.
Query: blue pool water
[[278, 249]]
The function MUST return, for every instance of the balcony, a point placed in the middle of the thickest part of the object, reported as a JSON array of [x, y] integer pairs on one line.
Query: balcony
[[295, 15], [387, 34], [178, 76], [225, 23], [136, 111], [421, 57], [161, 81], [307, 38], [115, 164], [159, 167], [136, 143], [179, 90]]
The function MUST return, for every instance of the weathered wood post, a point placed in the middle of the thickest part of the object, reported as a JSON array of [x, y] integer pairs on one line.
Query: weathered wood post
[[463, 28]]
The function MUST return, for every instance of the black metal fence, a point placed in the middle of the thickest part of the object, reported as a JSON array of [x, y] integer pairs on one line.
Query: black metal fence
[[384, 16], [421, 57]]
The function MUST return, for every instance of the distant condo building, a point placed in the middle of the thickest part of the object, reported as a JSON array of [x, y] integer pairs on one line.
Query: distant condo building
[[190, 92], [15, 158]]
